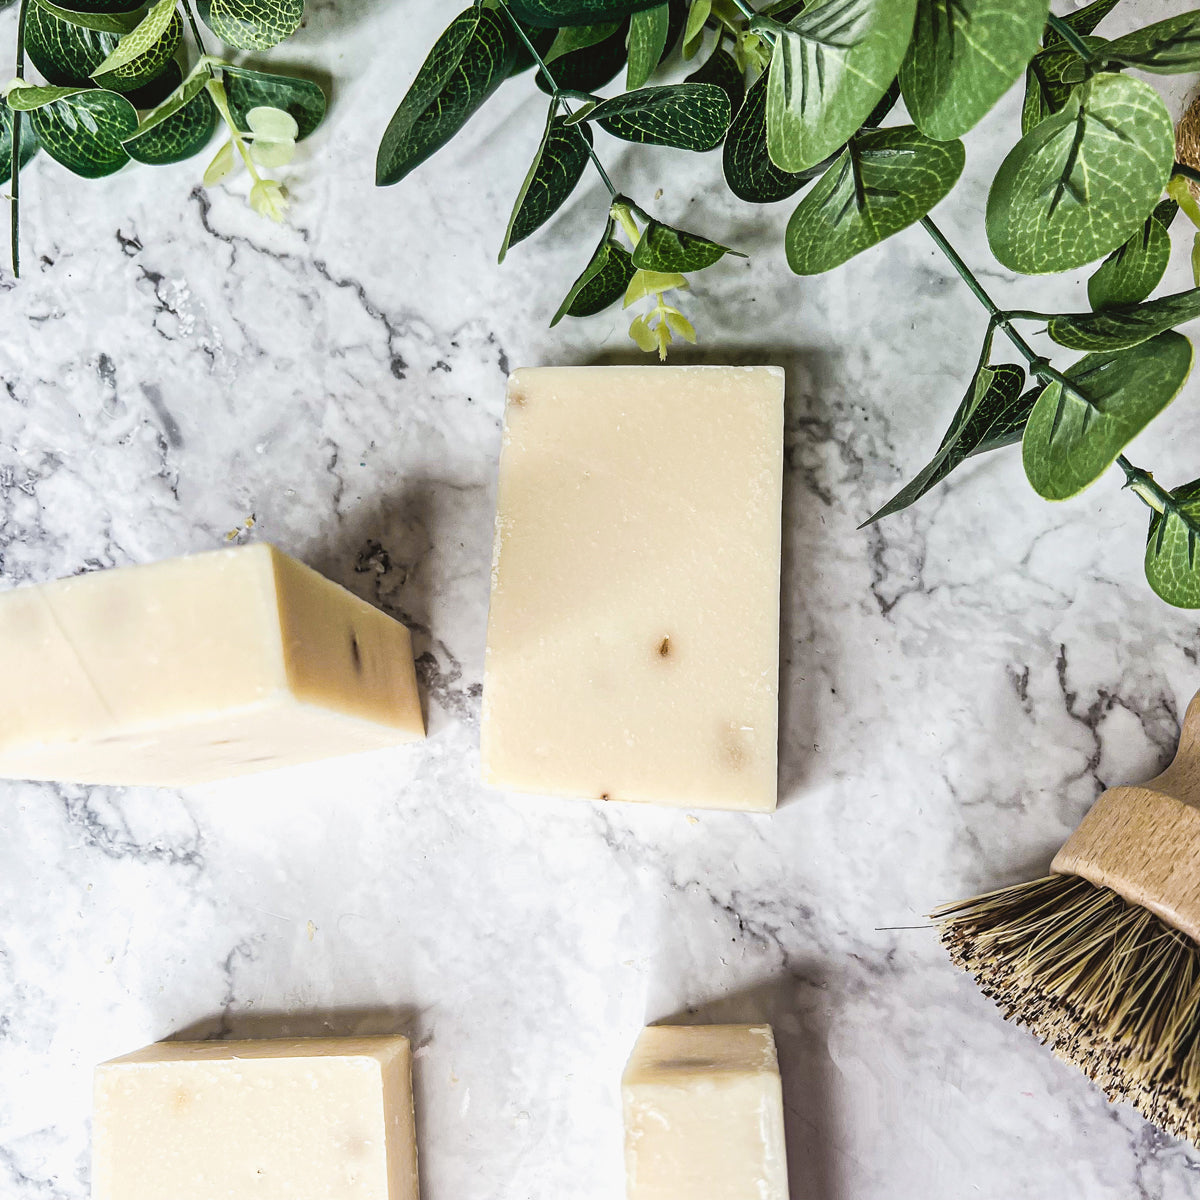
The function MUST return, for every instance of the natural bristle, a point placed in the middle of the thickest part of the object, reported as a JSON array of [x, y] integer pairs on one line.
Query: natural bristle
[[1105, 984]]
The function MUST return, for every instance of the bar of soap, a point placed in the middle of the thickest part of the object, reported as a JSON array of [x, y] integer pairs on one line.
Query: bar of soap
[[195, 669], [306, 1119], [704, 1115], [633, 637]]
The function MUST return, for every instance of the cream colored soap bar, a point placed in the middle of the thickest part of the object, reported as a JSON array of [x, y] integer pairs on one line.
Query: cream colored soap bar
[[195, 669], [704, 1115], [633, 638], [308, 1119]]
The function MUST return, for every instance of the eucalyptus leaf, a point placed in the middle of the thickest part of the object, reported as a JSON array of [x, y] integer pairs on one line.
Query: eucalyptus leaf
[[144, 38], [177, 136], [662, 248], [1080, 183], [589, 69], [246, 90], [749, 171], [688, 116], [602, 283], [990, 411], [831, 65], [1120, 328], [85, 130], [1133, 270], [1173, 549], [881, 183], [29, 142], [646, 43], [579, 37], [557, 13], [102, 22], [721, 68], [557, 168], [1170, 47], [1070, 442], [965, 54], [251, 24], [468, 63]]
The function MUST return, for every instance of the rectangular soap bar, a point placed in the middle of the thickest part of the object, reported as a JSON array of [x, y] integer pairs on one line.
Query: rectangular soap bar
[[633, 637], [704, 1115], [306, 1119], [195, 669]]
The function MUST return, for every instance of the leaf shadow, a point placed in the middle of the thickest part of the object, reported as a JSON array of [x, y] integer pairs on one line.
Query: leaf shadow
[[794, 1005], [807, 539]]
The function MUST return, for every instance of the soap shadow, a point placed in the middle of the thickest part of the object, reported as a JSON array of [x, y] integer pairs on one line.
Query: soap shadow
[[811, 522], [385, 551], [793, 1006]]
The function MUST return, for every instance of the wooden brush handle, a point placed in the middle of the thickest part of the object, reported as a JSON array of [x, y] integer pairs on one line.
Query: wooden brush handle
[[1144, 841]]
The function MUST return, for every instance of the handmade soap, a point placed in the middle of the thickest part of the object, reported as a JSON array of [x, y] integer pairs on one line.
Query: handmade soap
[[633, 638], [308, 1119], [704, 1115], [197, 668]]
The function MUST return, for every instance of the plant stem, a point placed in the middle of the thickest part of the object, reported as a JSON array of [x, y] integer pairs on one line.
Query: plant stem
[[746, 10], [187, 8], [1186, 171], [1069, 36], [15, 170], [1141, 484], [558, 95]]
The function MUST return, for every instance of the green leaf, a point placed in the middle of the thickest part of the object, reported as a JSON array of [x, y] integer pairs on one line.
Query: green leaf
[[575, 12], [1082, 21], [965, 54], [989, 413], [93, 7], [187, 91], [1164, 212], [831, 65], [221, 165], [247, 90], [29, 142], [1045, 91], [84, 131], [1070, 442], [693, 31], [651, 283], [1173, 549], [749, 171], [251, 24], [589, 69], [1120, 328], [664, 249], [721, 68], [688, 116], [102, 22], [143, 39], [881, 183], [1080, 183], [542, 40], [579, 37], [178, 136], [30, 96], [557, 167], [468, 63], [602, 283], [1133, 270], [154, 91], [646, 43], [1170, 47]]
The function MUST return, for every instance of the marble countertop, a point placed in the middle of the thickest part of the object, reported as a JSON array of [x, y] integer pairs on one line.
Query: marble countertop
[[958, 684]]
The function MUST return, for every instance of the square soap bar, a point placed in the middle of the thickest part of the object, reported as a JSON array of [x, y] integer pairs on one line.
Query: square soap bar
[[306, 1119], [195, 669], [704, 1115], [633, 637]]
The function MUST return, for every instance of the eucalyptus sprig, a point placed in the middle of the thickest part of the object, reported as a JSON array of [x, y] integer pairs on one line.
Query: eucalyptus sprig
[[116, 91], [798, 95]]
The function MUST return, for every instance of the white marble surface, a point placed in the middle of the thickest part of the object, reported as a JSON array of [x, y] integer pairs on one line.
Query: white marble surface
[[958, 683]]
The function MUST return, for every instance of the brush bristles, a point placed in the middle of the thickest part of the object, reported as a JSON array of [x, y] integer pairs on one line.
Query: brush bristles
[[1107, 985]]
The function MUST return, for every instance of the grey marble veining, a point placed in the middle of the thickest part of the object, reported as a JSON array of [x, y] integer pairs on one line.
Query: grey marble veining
[[958, 683]]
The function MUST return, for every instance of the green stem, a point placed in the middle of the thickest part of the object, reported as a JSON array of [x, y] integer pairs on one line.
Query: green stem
[[1141, 483], [187, 8], [1186, 171], [557, 92], [1069, 36], [216, 90], [745, 9], [15, 170]]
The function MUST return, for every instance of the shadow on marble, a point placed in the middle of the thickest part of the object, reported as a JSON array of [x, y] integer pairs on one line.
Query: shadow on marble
[[793, 1005], [352, 1021]]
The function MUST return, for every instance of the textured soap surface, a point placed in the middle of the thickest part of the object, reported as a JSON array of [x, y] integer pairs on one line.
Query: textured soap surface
[[704, 1115], [306, 1119], [633, 636], [195, 669]]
